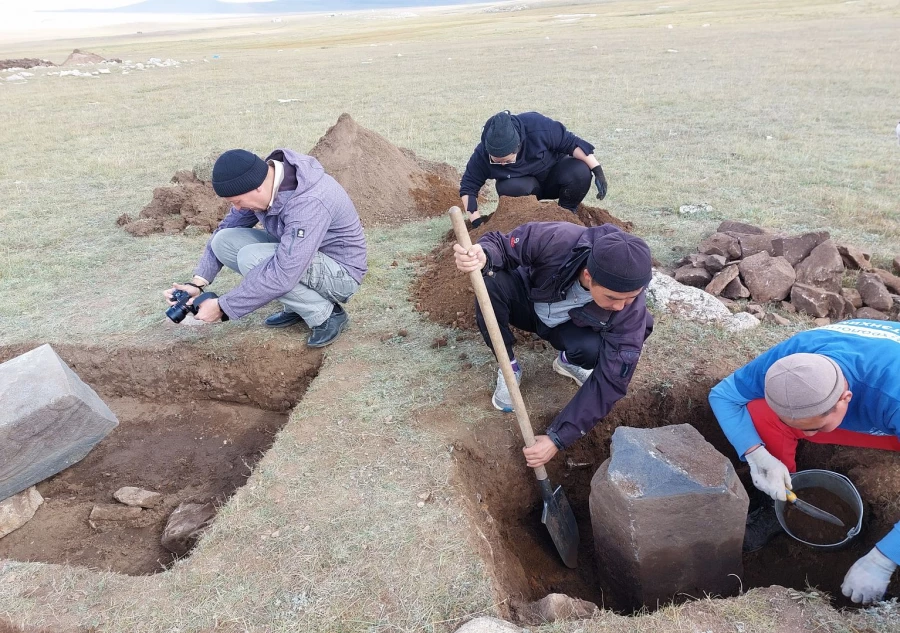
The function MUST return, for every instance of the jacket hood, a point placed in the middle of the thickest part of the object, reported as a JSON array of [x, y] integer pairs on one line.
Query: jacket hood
[[303, 172]]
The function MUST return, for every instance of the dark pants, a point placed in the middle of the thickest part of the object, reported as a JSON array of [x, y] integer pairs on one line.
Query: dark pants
[[569, 180], [513, 307]]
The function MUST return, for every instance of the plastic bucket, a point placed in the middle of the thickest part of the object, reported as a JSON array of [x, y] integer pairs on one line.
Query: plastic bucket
[[838, 485]]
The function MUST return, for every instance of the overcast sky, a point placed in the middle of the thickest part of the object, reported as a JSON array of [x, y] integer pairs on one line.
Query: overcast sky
[[62, 5]]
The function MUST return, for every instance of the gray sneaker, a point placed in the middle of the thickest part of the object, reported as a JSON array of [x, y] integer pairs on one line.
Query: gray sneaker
[[502, 400], [576, 373]]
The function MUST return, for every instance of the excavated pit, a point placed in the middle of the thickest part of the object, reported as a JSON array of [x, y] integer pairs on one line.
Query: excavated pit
[[505, 501], [191, 426]]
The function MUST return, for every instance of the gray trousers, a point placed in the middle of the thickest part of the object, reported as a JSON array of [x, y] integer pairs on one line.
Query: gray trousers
[[324, 283]]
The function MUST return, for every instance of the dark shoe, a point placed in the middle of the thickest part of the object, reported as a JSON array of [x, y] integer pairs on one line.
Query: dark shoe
[[762, 525], [283, 319], [327, 333]]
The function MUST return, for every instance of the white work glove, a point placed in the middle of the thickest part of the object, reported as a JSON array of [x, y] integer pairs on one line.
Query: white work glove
[[768, 473], [868, 578]]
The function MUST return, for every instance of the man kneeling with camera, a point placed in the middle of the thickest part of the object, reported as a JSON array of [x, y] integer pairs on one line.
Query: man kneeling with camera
[[310, 253]]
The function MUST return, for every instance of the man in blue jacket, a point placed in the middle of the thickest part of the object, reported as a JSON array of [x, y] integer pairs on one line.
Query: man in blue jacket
[[529, 154], [838, 384], [310, 252], [582, 290]]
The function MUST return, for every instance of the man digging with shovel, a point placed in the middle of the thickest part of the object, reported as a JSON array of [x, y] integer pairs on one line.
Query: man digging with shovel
[[582, 290], [838, 384], [310, 253]]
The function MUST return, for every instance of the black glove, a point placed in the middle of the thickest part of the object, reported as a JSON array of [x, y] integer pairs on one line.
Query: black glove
[[472, 207], [600, 182]]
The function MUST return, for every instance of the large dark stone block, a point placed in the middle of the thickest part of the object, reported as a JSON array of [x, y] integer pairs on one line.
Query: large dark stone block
[[668, 514]]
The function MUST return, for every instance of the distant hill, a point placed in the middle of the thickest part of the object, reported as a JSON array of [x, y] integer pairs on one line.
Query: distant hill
[[275, 6]]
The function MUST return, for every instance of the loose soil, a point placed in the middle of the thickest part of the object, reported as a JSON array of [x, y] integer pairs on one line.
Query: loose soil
[[190, 205], [26, 62], [446, 295], [77, 57], [813, 530], [505, 503], [389, 185], [191, 427]]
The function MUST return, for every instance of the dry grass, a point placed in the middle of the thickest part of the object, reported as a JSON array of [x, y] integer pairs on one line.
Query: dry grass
[[327, 535]]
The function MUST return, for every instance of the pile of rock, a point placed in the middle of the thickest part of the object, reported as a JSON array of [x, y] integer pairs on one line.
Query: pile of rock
[[807, 273]]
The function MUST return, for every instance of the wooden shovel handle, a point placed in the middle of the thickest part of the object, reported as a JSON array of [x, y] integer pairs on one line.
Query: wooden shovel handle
[[490, 319]]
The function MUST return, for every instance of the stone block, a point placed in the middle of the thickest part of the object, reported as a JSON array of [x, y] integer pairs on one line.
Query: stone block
[[131, 496], [788, 307], [731, 226], [822, 321], [713, 263], [753, 244], [736, 290], [49, 420], [777, 319], [721, 244], [742, 321], [855, 259], [557, 606], [185, 525], [692, 276], [873, 292], [767, 278], [810, 300], [891, 282], [822, 268], [668, 515], [871, 313], [722, 279], [795, 249], [487, 624], [114, 512], [18, 509], [853, 297]]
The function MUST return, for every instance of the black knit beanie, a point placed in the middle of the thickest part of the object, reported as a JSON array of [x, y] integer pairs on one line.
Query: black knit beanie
[[620, 262], [501, 137], [238, 171]]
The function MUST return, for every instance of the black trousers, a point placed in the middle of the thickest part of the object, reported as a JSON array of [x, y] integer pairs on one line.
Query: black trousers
[[513, 307], [569, 180]]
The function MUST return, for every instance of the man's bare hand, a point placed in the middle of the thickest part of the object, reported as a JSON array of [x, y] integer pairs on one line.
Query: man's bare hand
[[209, 311], [541, 452], [471, 260], [191, 290]]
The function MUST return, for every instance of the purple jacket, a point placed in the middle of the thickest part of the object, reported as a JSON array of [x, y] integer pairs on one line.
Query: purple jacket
[[549, 256], [311, 213]]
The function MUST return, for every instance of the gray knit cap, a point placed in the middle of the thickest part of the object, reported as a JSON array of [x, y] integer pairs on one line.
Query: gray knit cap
[[803, 386]]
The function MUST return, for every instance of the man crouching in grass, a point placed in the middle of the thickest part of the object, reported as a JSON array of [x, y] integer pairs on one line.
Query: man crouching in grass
[[310, 252], [582, 290]]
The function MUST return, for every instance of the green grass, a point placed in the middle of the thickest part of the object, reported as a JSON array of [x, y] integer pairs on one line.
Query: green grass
[[353, 552]]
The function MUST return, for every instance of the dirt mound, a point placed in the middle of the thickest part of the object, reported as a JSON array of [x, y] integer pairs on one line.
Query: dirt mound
[[25, 62], [82, 57], [447, 296], [389, 185], [191, 202]]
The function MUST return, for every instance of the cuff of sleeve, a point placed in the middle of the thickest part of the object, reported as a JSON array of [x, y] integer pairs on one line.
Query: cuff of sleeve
[[890, 544], [565, 435], [223, 306], [556, 441]]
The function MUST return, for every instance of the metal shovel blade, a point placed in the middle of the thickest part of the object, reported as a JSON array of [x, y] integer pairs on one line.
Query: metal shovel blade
[[560, 522], [815, 512]]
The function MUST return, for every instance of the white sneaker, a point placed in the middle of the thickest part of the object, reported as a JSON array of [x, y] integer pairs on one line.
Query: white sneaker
[[576, 373], [501, 399]]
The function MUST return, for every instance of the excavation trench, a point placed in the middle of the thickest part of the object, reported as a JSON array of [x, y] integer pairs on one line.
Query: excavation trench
[[191, 426], [505, 501]]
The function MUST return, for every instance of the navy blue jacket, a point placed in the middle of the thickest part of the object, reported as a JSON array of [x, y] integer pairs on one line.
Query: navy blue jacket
[[549, 256], [543, 143]]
